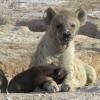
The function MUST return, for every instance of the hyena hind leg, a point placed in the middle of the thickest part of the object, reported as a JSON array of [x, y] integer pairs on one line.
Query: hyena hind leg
[[91, 74]]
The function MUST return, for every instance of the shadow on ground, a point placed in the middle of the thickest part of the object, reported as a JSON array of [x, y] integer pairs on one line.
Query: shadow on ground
[[91, 30], [35, 25]]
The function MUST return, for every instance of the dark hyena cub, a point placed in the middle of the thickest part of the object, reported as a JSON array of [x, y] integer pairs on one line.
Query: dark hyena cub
[[37, 76]]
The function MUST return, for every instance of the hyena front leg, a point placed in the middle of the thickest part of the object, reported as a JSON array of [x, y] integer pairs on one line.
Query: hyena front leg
[[76, 78], [69, 83], [72, 85]]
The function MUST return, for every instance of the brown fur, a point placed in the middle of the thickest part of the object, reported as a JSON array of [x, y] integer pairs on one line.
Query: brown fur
[[37, 76]]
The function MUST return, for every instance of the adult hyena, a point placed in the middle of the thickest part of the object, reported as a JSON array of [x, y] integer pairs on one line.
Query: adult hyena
[[57, 47]]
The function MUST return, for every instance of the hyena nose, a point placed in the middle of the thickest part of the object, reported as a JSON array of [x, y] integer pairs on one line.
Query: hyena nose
[[66, 35]]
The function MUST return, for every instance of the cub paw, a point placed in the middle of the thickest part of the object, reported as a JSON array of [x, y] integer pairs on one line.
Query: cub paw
[[51, 86]]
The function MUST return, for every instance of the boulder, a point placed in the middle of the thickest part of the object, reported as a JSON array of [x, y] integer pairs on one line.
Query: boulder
[[17, 44]]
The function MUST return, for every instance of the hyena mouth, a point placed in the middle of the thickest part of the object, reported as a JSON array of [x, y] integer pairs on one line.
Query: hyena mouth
[[64, 39]]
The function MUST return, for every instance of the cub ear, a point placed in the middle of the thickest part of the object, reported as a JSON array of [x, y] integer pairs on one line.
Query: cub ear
[[48, 15], [59, 73], [81, 15]]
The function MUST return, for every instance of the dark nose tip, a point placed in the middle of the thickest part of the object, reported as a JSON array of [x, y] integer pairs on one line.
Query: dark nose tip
[[66, 35]]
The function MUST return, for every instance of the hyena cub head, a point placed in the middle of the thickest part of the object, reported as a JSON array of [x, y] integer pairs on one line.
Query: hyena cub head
[[64, 24], [59, 75]]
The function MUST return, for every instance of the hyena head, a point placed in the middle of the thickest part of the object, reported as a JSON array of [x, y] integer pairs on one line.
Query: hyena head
[[64, 24]]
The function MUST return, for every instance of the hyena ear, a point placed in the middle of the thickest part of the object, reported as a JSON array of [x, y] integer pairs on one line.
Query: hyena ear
[[48, 15], [82, 16]]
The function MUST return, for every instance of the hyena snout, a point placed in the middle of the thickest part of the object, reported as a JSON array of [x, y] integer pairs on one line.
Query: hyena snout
[[67, 36]]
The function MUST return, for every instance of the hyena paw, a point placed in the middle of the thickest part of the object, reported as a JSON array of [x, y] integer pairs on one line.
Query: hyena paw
[[51, 86], [65, 88]]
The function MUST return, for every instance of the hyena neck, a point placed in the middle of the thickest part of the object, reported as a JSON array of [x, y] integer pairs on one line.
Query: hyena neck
[[68, 56]]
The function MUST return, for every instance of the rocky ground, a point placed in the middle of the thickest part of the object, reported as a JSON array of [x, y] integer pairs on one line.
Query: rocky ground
[[18, 43]]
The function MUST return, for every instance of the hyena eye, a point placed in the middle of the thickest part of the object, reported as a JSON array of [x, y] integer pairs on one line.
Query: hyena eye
[[73, 25], [59, 25]]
